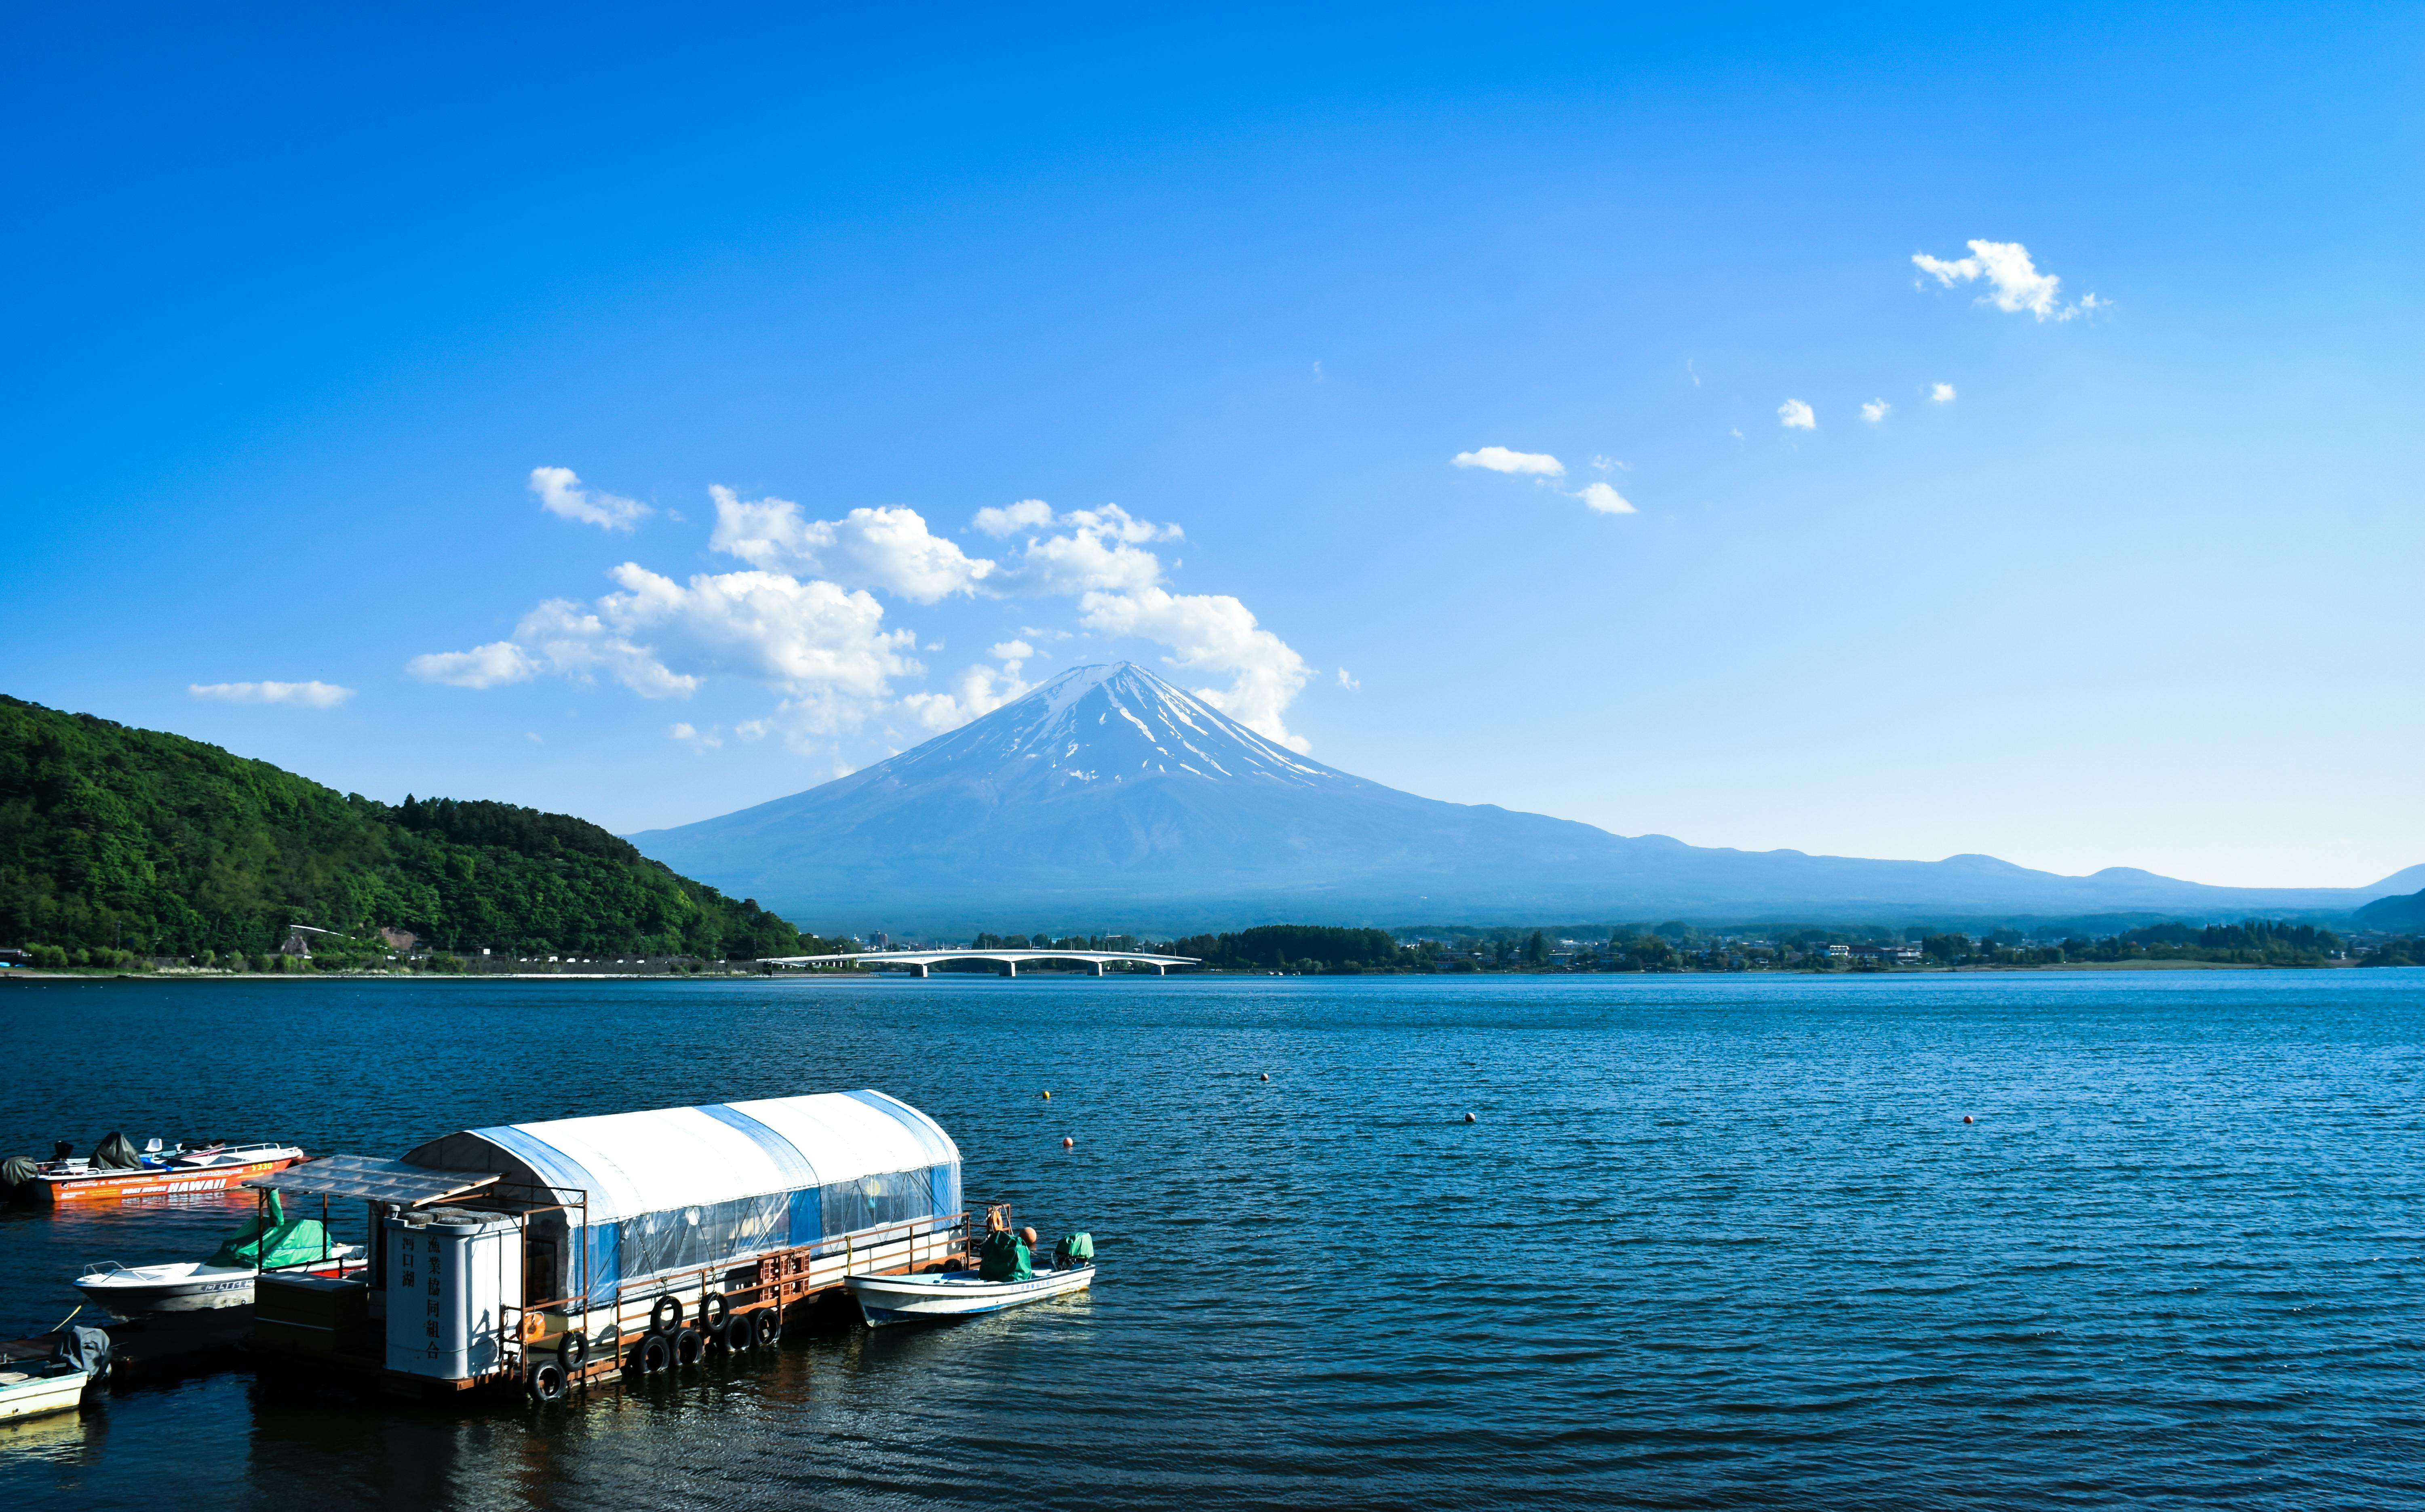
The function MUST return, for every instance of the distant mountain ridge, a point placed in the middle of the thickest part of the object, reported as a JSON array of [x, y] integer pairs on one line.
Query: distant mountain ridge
[[1109, 798]]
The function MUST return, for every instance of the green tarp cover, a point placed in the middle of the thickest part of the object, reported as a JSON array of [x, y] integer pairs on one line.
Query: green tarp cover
[[1003, 1257], [274, 1241]]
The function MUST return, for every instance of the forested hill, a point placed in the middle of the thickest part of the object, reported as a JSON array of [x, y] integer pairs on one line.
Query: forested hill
[[139, 840]]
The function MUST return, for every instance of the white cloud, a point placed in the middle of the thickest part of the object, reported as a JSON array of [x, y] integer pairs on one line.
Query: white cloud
[[823, 645], [1101, 553], [1500, 459], [888, 548], [560, 493], [1796, 416], [1217, 633], [1609, 464], [2014, 282], [710, 741], [979, 691], [1875, 410], [1347, 682], [300, 695], [483, 666], [1028, 514], [1941, 393], [1604, 499]]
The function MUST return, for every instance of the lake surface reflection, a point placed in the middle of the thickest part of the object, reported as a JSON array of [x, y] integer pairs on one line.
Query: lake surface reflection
[[1710, 1241]]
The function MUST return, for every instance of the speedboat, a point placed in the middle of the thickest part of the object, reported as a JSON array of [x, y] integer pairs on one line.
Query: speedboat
[[129, 1291], [269, 1241], [31, 1387], [117, 1171], [951, 1294]]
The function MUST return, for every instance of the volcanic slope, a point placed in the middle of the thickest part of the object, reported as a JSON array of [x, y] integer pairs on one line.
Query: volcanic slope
[[1109, 799]]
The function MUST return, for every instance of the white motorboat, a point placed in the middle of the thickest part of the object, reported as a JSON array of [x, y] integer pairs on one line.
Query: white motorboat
[[129, 1291], [887, 1299], [31, 1387]]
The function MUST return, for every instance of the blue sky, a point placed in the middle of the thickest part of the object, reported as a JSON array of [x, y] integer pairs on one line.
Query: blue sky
[[408, 358]]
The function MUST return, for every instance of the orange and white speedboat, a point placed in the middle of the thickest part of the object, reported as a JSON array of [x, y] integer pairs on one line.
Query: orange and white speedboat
[[115, 1176]]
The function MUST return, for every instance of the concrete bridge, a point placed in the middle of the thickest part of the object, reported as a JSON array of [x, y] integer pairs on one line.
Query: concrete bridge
[[917, 961]]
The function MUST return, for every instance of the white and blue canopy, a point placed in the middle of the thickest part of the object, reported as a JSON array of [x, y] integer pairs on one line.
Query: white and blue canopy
[[681, 1187], [633, 1163]]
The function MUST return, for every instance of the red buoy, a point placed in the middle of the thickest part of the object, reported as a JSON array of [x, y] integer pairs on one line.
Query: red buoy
[[1067, 1143], [1965, 1118]]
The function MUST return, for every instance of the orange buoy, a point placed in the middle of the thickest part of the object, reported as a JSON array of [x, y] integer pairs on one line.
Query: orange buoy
[[1965, 1118], [1067, 1143]]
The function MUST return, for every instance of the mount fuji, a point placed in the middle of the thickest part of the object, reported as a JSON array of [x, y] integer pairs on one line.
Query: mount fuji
[[1107, 799]]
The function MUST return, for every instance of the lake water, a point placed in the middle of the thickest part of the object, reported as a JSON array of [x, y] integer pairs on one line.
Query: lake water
[[1710, 1241]]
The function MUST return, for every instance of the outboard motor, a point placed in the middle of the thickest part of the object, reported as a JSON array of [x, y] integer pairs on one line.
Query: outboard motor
[[61, 1149], [87, 1349]]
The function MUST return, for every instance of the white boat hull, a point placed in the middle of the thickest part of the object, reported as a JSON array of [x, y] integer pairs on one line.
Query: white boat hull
[[884, 1300], [25, 1395], [129, 1291]]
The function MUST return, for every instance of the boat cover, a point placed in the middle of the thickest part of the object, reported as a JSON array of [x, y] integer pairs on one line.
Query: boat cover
[[272, 1240], [681, 1187]]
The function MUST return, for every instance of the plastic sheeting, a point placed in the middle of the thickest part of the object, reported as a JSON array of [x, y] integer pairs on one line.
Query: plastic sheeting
[[685, 1186]]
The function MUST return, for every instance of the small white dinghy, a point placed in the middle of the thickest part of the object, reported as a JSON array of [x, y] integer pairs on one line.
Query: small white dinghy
[[29, 1388], [952, 1293], [129, 1291]]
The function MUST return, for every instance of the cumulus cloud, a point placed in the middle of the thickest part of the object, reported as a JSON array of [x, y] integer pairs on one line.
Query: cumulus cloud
[[1604, 499], [1500, 459], [300, 694], [1028, 514], [1941, 393], [483, 666], [696, 739], [1104, 551], [1796, 416], [2014, 282], [822, 645], [1217, 633], [1347, 682], [888, 548], [977, 691], [560, 493], [1875, 410]]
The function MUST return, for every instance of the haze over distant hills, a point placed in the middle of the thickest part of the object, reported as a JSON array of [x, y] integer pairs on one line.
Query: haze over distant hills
[[1109, 799]]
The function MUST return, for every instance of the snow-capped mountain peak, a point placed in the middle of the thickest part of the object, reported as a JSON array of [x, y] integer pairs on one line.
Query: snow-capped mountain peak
[[1110, 724]]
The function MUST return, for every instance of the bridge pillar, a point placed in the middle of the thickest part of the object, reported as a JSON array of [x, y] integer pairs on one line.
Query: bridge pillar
[[1094, 968], [918, 970], [1010, 968], [1160, 970]]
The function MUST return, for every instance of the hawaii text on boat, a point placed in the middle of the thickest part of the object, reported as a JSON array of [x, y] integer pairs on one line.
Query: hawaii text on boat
[[116, 1171], [547, 1255]]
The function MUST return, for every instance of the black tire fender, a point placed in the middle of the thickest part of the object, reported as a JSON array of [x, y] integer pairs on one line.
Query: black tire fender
[[574, 1351], [546, 1382], [767, 1325], [667, 1317], [738, 1334], [655, 1354], [713, 1307], [688, 1346]]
